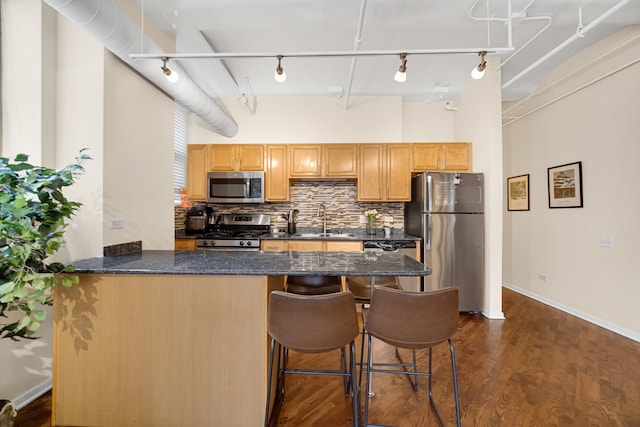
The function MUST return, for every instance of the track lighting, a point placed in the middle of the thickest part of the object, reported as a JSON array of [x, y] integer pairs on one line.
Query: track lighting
[[401, 74], [478, 72], [172, 75], [280, 75]]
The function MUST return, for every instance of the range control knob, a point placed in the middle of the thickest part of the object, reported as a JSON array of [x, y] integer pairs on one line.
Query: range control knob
[[248, 243], [241, 243]]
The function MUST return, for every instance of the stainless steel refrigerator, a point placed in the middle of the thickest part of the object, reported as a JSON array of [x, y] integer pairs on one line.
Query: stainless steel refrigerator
[[447, 211]]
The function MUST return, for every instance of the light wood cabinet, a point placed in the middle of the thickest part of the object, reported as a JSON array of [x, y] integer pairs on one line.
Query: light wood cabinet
[[197, 165], [185, 244], [323, 161], [242, 157], [455, 156], [277, 174], [341, 160], [273, 245], [384, 173], [311, 245]]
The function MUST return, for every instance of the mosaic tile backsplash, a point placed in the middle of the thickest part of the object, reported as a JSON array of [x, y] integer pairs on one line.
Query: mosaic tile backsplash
[[338, 197]]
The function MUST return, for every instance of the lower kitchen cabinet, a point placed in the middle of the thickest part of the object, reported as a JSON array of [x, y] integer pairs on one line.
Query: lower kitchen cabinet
[[185, 244], [311, 245]]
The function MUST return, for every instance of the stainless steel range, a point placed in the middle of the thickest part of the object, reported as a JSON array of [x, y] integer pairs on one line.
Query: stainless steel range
[[235, 232]]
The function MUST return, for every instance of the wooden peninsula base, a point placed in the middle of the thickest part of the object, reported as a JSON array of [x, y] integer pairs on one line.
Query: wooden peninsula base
[[161, 350]]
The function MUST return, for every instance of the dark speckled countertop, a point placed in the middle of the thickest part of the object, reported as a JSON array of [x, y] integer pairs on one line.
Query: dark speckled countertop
[[261, 263]]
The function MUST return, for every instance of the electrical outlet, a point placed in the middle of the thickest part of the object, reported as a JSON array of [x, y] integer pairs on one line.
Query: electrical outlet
[[117, 223], [542, 277], [388, 219], [363, 219], [606, 241]]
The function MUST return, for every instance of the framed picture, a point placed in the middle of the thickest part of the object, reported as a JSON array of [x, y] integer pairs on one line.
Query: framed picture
[[565, 185], [518, 193]]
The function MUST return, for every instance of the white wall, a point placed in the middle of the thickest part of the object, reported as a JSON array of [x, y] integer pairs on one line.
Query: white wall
[[590, 115]]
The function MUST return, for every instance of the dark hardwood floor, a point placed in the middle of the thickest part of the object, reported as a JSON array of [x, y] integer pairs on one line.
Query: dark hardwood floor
[[540, 367]]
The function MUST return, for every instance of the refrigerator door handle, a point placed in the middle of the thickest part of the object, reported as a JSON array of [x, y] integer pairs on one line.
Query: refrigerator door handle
[[426, 226], [429, 195]]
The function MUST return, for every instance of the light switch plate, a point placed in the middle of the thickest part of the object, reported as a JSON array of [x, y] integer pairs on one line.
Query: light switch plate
[[117, 223], [606, 241]]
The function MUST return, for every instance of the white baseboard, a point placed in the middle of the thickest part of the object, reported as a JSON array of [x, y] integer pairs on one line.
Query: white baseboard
[[32, 394], [591, 319], [494, 315]]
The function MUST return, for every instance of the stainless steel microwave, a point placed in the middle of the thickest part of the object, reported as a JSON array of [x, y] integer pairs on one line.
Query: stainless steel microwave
[[235, 187]]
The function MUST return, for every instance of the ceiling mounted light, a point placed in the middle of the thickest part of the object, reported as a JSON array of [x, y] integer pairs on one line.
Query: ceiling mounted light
[[401, 74], [478, 72], [280, 75], [172, 75]]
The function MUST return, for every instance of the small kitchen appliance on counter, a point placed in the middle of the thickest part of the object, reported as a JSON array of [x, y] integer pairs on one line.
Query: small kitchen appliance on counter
[[235, 232], [199, 219]]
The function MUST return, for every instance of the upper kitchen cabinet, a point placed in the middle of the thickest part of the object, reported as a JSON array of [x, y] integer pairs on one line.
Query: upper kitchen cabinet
[[197, 166], [323, 161], [277, 174], [384, 173], [453, 156], [241, 157]]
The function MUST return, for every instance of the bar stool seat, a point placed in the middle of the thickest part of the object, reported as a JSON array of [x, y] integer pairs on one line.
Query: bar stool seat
[[312, 324], [412, 320]]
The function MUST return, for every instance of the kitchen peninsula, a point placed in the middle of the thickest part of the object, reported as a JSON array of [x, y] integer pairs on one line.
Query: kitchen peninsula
[[164, 338]]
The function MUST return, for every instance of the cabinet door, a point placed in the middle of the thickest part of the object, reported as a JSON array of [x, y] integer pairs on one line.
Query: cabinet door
[[185, 244], [426, 157], [273, 245], [398, 172], [344, 246], [277, 174], [222, 157], [340, 160], [197, 165], [304, 160], [250, 157], [307, 245], [370, 173], [457, 157]]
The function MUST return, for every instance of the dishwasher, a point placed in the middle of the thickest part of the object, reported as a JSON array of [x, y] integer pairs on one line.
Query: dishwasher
[[402, 246]]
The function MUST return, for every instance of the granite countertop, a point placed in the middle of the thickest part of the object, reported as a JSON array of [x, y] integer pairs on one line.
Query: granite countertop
[[258, 263], [359, 234]]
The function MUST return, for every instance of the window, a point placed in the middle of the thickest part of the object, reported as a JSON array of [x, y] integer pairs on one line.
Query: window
[[180, 126]]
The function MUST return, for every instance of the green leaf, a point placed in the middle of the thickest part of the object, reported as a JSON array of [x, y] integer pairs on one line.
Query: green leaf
[[6, 287], [39, 315]]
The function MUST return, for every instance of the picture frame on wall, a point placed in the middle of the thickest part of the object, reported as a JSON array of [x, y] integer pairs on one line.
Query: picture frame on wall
[[518, 193], [565, 185]]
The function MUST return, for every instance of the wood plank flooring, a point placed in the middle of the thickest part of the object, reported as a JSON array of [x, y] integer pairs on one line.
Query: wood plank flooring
[[540, 367]]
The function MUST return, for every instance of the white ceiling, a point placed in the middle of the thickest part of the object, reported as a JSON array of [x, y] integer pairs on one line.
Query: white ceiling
[[294, 26]]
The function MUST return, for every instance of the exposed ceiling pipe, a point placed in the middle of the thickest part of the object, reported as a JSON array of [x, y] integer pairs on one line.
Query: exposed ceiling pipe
[[508, 21], [104, 20], [567, 42], [356, 46]]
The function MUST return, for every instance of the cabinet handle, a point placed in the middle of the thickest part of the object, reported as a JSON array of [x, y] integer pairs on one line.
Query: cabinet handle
[[446, 162], [232, 163], [380, 193]]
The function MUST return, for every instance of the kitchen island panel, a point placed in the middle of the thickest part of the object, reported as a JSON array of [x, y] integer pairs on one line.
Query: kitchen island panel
[[157, 350]]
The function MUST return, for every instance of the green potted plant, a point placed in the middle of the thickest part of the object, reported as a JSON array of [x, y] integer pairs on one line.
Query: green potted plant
[[33, 216]]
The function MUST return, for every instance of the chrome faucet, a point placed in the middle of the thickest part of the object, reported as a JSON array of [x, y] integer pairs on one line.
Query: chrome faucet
[[324, 217]]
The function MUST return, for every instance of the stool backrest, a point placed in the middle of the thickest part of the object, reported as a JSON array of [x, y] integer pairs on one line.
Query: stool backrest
[[413, 319], [312, 323]]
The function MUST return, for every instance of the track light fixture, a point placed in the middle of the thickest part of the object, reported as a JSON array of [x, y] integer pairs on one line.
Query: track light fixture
[[280, 75], [171, 75], [478, 72], [401, 74]]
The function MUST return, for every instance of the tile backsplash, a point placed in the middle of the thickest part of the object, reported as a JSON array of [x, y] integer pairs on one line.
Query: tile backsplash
[[338, 197]]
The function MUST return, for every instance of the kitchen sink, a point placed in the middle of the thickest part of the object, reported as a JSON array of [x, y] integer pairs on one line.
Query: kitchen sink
[[325, 235]]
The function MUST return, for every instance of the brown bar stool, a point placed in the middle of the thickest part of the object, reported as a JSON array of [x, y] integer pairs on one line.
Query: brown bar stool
[[412, 320], [312, 324]]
